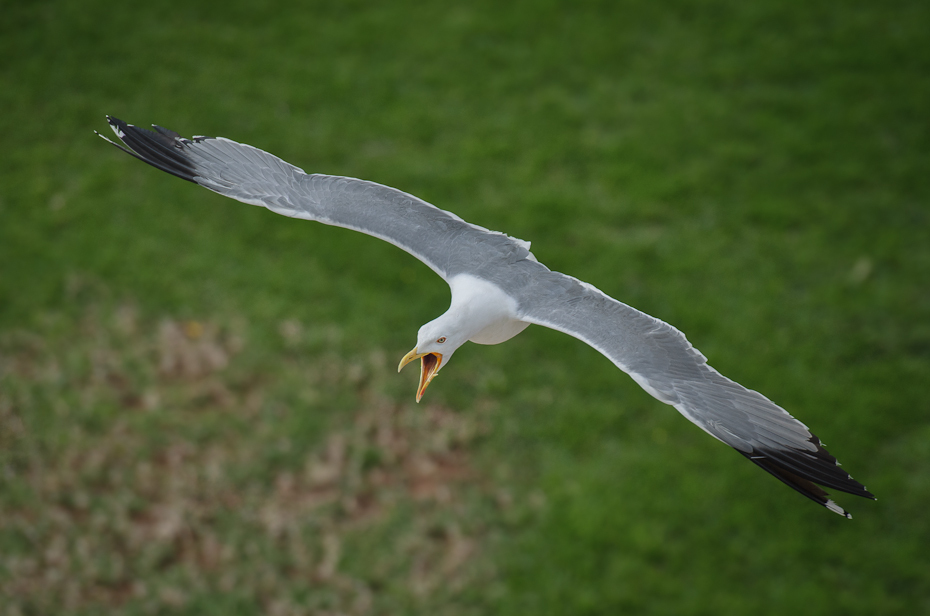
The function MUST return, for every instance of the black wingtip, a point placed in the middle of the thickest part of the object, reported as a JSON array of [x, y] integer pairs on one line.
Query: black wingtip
[[804, 486], [801, 469], [163, 148]]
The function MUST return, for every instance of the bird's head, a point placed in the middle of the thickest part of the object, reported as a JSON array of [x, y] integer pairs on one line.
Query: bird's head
[[436, 342]]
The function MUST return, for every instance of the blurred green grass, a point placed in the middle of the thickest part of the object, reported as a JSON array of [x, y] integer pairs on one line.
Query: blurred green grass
[[754, 173]]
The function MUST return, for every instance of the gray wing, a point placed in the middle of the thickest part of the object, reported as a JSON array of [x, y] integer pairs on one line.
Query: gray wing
[[442, 240], [664, 363]]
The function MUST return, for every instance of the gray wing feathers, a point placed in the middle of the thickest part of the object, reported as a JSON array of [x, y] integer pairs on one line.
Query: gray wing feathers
[[666, 365], [442, 240]]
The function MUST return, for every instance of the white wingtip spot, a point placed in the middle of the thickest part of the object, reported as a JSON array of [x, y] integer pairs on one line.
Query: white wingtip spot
[[837, 509], [115, 128]]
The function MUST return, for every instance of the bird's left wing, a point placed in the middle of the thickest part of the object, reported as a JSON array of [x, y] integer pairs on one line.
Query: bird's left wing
[[666, 365], [442, 240]]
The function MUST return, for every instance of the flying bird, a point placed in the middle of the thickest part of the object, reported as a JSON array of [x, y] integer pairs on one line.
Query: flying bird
[[498, 290]]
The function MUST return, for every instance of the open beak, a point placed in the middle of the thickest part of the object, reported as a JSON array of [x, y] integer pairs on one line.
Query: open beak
[[429, 366]]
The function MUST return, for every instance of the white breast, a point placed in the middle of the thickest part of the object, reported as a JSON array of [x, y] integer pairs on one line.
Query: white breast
[[499, 332], [490, 310]]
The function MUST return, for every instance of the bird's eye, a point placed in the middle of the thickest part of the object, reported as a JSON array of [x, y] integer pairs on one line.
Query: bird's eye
[[441, 340]]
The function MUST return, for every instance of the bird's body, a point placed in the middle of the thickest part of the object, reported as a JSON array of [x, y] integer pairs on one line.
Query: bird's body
[[483, 310], [498, 289]]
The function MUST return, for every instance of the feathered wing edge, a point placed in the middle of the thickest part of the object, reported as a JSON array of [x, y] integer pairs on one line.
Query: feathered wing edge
[[256, 177], [156, 149], [784, 465], [801, 467]]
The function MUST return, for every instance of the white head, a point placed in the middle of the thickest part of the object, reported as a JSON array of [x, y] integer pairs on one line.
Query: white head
[[436, 342], [480, 311]]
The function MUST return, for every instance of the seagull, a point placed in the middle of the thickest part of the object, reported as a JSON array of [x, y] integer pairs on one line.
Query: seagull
[[498, 290]]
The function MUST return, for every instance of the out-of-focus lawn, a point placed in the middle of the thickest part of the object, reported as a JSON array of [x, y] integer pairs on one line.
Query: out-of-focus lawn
[[198, 411]]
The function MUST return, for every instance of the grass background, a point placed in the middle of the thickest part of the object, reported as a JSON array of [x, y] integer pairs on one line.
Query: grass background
[[198, 408]]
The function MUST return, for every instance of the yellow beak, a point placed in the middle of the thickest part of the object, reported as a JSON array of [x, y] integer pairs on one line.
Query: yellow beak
[[429, 365]]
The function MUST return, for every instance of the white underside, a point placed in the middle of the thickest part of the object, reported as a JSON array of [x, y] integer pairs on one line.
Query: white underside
[[486, 303], [499, 332]]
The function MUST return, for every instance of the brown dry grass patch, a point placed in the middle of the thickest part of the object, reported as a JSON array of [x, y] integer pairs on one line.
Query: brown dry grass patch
[[145, 471]]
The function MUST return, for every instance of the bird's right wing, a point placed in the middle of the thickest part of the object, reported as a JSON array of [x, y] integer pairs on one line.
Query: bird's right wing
[[442, 240], [666, 365]]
